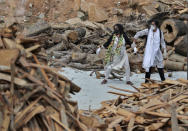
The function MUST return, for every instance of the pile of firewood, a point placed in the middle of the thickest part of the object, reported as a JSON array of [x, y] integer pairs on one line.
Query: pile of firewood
[[172, 18], [32, 94], [73, 42], [153, 106]]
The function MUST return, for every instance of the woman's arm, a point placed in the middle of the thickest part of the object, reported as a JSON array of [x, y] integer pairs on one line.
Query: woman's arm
[[163, 44], [127, 40], [108, 42], [141, 33]]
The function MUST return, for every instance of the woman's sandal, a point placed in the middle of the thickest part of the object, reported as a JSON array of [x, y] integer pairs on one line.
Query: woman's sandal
[[129, 83], [104, 81]]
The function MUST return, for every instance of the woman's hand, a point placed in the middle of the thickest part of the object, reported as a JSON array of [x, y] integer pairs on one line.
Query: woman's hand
[[98, 50], [165, 54], [135, 50]]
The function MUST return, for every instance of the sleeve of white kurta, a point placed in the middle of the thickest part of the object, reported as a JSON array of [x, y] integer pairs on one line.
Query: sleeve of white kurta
[[163, 44], [141, 33]]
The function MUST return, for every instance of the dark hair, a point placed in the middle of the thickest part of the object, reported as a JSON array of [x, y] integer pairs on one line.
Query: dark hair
[[156, 23], [120, 28]]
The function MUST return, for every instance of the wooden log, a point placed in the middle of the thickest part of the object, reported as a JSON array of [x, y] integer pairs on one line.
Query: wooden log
[[131, 124], [24, 40], [126, 113], [149, 10], [94, 58], [168, 48], [21, 115], [84, 66], [6, 33], [74, 87], [170, 52], [50, 84], [172, 29], [181, 45], [119, 94], [32, 48], [12, 102], [174, 118], [1, 43], [7, 55], [115, 122], [58, 47], [167, 115], [28, 115], [6, 119], [175, 66], [125, 90], [75, 35], [161, 16], [183, 11], [178, 58], [37, 28], [19, 105], [184, 17], [17, 81], [78, 57], [156, 126], [59, 54], [61, 124], [10, 44], [50, 69], [185, 68]]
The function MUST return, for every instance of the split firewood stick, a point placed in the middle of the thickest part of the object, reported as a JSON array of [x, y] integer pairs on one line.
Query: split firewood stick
[[33, 79], [157, 107], [42, 66], [156, 92], [172, 86], [12, 94], [170, 52], [122, 89], [183, 92], [120, 94], [174, 119], [131, 124], [135, 88], [61, 124], [50, 84], [165, 115]]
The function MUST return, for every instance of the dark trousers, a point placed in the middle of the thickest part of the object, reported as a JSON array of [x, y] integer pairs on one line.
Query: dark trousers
[[148, 74]]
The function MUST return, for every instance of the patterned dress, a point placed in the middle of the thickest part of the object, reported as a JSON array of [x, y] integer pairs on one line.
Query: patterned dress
[[116, 57]]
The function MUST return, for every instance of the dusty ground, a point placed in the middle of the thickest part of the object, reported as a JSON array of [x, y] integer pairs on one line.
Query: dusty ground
[[92, 92]]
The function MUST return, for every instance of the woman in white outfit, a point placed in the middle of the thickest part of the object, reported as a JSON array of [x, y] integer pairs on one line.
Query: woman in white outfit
[[116, 55], [153, 55]]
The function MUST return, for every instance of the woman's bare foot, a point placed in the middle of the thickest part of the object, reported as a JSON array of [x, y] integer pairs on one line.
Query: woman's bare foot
[[104, 81], [129, 83]]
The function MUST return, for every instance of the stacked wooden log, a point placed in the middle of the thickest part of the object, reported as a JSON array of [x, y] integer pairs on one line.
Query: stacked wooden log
[[83, 39], [176, 35], [172, 18], [153, 106], [33, 96]]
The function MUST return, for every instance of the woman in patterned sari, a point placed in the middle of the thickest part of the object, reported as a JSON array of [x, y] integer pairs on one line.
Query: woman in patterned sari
[[116, 55]]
